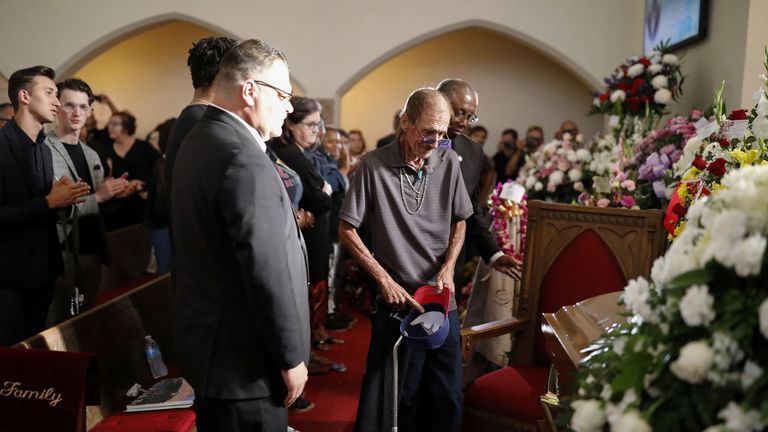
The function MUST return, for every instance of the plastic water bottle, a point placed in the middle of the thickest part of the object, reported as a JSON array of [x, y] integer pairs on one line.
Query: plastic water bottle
[[154, 358]]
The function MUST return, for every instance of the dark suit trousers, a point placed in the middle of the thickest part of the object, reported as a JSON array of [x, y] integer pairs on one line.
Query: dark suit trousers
[[240, 415], [23, 312]]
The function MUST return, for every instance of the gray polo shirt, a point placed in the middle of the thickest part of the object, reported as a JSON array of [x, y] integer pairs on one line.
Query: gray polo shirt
[[383, 191]]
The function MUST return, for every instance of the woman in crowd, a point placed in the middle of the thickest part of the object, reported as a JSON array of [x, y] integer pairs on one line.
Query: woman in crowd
[[156, 211], [134, 156], [300, 132], [357, 148]]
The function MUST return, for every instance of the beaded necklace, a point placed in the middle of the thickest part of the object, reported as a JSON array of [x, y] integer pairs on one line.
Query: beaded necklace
[[419, 192]]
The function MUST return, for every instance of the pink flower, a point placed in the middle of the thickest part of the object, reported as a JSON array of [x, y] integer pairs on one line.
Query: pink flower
[[695, 114], [550, 187], [628, 185], [603, 202], [627, 201], [667, 149]]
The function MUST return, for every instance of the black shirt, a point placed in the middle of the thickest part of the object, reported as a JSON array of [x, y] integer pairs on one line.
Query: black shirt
[[88, 226], [187, 119], [138, 162], [500, 161], [34, 152]]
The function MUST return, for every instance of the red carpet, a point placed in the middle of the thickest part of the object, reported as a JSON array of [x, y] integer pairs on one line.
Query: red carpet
[[335, 394]]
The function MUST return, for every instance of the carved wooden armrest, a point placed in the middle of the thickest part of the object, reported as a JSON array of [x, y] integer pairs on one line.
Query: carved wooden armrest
[[487, 330]]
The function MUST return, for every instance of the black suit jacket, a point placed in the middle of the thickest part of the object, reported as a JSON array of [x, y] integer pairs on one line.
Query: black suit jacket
[[29, 249], [471, 162], [241, 272]]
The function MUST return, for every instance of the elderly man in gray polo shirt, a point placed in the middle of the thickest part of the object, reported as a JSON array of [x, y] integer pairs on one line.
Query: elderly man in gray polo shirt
[[412, 196]]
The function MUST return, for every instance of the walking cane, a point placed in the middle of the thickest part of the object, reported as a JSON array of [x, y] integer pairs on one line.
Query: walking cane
[[395, 350]]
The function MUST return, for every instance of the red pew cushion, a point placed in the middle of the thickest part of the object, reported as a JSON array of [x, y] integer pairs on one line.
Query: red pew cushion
[[512, 392], [177, 420]]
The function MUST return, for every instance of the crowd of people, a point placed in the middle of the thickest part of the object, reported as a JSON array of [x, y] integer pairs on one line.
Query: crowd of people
[[260, 209]]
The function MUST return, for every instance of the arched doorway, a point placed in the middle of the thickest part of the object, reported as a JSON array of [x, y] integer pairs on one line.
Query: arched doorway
[[143, 70], [519, 85]]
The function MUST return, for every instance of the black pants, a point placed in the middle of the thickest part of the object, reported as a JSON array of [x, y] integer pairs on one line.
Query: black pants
[[23, 312], [430, 381], [240, 415]]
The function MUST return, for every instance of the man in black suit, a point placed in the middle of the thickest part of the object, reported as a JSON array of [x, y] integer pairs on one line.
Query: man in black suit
[[29, 196], [242, 320], [463, 99]]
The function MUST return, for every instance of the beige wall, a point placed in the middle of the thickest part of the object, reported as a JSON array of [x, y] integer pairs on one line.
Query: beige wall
[[518, 85], [720, 57], [588, 36], [757, 39], [146, 74], [583, 40]]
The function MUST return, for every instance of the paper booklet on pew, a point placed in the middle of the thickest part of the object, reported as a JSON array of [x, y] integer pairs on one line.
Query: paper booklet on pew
[[167, 394]]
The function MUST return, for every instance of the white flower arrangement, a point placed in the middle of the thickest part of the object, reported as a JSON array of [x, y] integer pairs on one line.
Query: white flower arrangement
[[692, 356]]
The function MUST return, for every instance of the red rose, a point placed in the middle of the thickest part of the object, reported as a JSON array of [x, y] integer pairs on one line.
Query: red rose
[[633, 103], [636, 84], [679, 210], [699, 163], [739, 114], [724, 143], [705, 192], [644, 61], [604, 97], [717, 167]]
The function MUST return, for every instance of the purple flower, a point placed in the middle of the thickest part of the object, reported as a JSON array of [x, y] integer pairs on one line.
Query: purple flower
[[654, 167], [660, 189]]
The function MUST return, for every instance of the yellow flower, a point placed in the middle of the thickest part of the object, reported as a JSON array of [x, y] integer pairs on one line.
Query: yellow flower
[[682, 192], [716, 187], [680, 228], [763, 163], [691, 174], [745, 158]]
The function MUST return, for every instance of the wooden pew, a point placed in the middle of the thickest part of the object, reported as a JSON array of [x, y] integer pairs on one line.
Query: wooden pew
[[129, 249], [115, 332]]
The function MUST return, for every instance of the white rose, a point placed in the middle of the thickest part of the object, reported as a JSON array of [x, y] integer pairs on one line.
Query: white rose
[[583, 155], [556, 178], [655, 68], [596, 102], [636, 295], [752, 371], [587, 416], [630, 421], [529, 182], [662, 96], [635, 70], [747, 255], [578, 186], [738, 420], [574, 174], [659, 82], [694, 362], [618, 95], [538, 186], [570, 155], [669, 59], [696, 306], [763, 313]]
